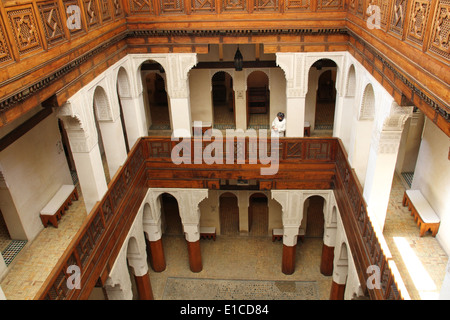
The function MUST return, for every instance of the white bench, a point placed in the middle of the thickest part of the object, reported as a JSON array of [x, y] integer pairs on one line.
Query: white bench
[[208, 233], [58, 204], [424, 215], [277, 234]]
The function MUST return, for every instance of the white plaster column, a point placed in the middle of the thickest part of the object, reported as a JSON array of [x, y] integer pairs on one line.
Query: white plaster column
[[292, 214], [177, 76], [2, 295], [188, 203], [133, 115], [445, 288], [293, 65], [240, 99], [86, 153], [243, 206], [381, 164], [113, 143]]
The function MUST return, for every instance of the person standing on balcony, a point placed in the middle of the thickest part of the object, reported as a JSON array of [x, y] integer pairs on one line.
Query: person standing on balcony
[[279, 125]]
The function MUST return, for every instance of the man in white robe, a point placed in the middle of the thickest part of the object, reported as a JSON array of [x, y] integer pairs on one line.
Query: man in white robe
[[278, 125]]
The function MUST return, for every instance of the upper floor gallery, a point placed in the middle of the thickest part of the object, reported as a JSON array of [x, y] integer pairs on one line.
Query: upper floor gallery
[[50, 49]]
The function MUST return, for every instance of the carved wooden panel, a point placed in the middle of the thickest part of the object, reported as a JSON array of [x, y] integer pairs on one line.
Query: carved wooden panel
[[359, 8], [398, 15], [91, 12], [418, 21], [73, 17], [297, 5], [105, 10], [234, 5], [5, 54], [199, 6], [51, 20], [384, 10], [141, 6], [440, 39], [117, 8], [265, 5], [172, 6], [330, 4], [25, 29]]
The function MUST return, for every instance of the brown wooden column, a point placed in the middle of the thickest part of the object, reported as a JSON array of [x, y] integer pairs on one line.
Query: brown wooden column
[[144, 287], [288, 263], [156, 253], [195, 256], [337, 291], [326, 264]]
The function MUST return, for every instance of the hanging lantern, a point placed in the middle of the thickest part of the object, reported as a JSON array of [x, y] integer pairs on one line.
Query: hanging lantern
[[238, 60]]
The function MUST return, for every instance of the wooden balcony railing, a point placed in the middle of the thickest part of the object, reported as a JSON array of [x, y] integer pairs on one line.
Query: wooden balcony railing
[[96, 246]]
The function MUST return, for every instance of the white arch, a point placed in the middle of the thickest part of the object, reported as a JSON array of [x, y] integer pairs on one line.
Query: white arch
[[367, 107]]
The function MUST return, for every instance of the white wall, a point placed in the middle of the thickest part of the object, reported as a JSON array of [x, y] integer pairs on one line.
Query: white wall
[[34, 167], [432, 177]]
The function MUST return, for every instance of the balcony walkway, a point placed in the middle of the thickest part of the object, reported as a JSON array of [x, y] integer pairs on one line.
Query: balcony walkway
[[34, 263]]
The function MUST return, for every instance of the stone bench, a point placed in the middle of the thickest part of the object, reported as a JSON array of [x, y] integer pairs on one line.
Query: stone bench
[[58, 204], [424, 215], [208, 233], [277, 234]]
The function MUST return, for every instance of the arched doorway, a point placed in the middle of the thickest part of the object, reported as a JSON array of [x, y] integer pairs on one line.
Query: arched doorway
[[321, 97], [224, 116], [229, 214], [258, 100], [155, 96], [170, 215], [258, 215], [313, 212]]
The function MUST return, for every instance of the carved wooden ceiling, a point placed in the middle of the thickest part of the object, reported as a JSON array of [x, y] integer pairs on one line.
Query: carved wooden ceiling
[[50, 47]]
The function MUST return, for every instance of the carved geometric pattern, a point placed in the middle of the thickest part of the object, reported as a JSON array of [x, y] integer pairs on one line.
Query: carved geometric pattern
[[318, 151], [359, 8], [265, 5], [203, 6], [105, 10], [117, 8], [72, 10], [398, 16], [330, 4], [91, 12], [418, 21], [51, 20], [141, 6], [234, 5], [298, 5], [5, 55], [159, 149], [440, 40], [172, 6], [25, 29], [294, 150]]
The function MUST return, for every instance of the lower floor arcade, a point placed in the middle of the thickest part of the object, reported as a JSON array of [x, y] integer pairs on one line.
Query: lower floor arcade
[[244, 260]]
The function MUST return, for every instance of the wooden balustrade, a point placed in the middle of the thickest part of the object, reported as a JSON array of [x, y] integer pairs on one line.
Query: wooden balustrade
[[98, 242]]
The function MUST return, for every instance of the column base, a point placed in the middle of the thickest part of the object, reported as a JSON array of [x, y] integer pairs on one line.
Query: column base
[[195, 257], [156, 255], [326, 263], [337, 291], [288, 262], [144, 287]]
